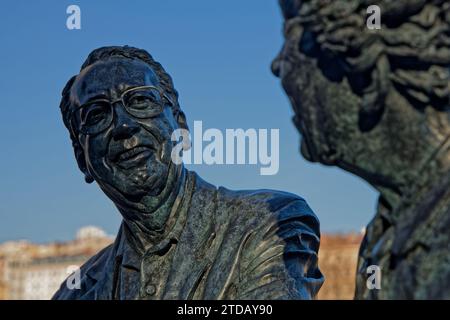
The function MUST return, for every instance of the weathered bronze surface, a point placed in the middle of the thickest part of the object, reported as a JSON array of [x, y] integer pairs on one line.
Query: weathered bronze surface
[[181, 237], [376, 103]]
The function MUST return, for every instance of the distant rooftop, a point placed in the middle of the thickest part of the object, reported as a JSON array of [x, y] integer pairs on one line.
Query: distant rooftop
[[90, 232]]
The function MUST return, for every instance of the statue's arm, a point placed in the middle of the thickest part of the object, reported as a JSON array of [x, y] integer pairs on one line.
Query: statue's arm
[[279, 259]]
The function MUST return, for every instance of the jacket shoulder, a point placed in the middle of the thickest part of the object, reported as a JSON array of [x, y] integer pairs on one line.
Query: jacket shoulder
[[279, 257], [271, 204]]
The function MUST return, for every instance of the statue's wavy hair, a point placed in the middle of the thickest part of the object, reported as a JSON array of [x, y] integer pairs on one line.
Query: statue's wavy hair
[[105, 53], [411, 51]]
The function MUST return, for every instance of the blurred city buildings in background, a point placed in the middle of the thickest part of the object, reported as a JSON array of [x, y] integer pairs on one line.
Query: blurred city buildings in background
[[31, 271], [338, 257]]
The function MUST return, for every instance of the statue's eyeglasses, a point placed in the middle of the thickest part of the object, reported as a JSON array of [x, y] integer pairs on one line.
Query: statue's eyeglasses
[[142, 102]]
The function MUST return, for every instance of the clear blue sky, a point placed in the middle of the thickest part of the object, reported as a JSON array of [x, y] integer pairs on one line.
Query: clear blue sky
[[218, 53]]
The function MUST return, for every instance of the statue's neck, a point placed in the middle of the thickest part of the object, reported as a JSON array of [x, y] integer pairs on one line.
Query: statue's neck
[[147, 228], [434, 168]]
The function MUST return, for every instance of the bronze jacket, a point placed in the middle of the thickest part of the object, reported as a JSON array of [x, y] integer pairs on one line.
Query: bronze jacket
[[231, 245], [411, 246]]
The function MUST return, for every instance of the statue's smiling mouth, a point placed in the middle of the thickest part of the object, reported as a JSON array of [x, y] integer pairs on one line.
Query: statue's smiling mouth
[[132, 157]]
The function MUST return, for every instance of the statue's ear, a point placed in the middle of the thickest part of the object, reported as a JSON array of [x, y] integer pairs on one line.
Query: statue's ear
[[79, 155], [181, 119]]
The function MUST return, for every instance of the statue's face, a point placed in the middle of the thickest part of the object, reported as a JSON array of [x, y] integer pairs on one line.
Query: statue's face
[[328, 102], [326, 109], [358, 103], [126, 148]]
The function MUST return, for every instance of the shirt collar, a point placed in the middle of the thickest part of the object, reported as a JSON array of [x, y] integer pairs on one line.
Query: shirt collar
[[126, 250]]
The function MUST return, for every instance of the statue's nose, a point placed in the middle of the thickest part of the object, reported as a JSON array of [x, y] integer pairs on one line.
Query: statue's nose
[[125, 126]]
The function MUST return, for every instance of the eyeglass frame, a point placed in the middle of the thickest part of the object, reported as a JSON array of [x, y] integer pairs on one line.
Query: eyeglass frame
[[162, 94]]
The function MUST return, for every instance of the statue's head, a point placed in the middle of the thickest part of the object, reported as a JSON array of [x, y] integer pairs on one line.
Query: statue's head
[[121, 110], [373, 102]]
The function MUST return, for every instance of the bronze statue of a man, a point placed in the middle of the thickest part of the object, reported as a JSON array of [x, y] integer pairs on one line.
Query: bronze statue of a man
[[181, 237], [376, 103]]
